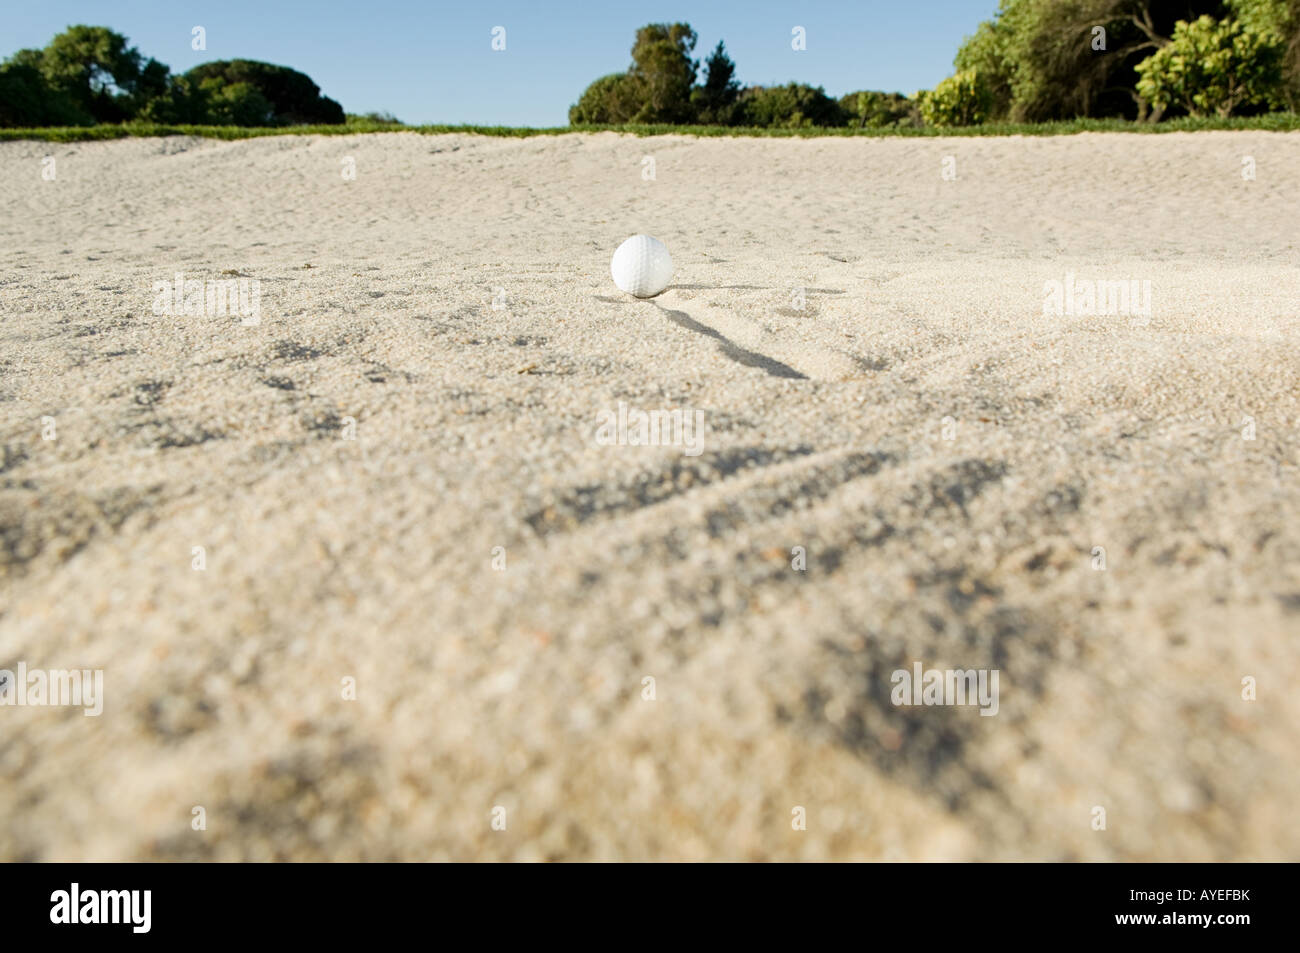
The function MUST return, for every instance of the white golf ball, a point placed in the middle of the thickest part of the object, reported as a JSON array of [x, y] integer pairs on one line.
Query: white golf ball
[[642, 266]]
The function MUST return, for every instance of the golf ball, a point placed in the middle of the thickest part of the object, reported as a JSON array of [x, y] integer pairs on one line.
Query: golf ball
[[642, 266]]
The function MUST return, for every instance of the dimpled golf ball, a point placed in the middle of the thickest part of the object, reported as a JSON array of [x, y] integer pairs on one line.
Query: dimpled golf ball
[[642, 266]]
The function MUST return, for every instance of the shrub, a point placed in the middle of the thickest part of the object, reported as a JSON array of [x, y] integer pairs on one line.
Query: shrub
[[868, 109], [611, 100], [960, 100], [1213, 67], [373, 119], [1281, 19], [791, 106]]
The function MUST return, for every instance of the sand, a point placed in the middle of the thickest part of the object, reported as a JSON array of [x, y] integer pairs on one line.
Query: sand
[[641, 670]]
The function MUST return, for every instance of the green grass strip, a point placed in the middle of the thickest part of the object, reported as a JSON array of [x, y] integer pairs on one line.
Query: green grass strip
[[1272, 122]]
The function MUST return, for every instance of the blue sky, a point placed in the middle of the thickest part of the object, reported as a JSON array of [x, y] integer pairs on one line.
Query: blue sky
[[430, 61]]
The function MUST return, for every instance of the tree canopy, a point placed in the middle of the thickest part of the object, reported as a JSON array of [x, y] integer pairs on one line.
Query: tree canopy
[[1035, 60], [715, 100], [292, 96], [89, 74], [663, 72], [1059, 59]]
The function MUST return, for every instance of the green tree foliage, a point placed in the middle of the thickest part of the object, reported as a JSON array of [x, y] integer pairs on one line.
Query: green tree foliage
[[658, 87], [90, 75], [792, 106], [26, 99], [1279, 19], [98, 72], [238, 104], [663, 72], [609, 100], [86, 74], [960, 100], [714, 102], [868, 109], [292, 97], [182, 102], [1214, 67], [986, 53], [1036, 60], [1043, 59]]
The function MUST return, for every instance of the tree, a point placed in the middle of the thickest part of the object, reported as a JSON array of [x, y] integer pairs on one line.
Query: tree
[[103, 76], [183, 102], [1056, 59], [663, 72], [658, 87], [986, 53], [26, 99], [715, 101], [1213, 67], [292, 96], [90, 74], [237, 104]]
